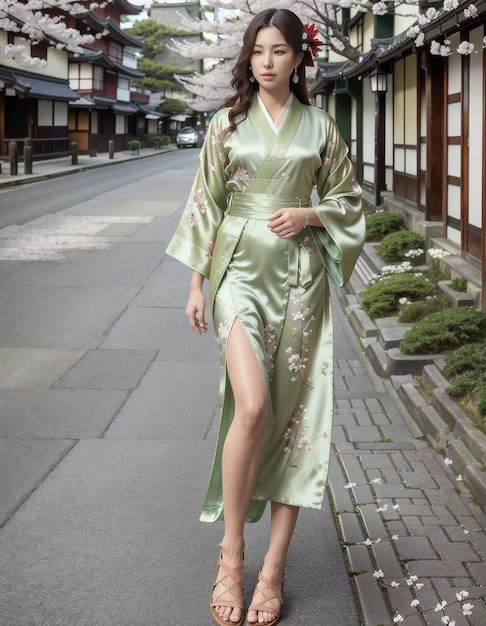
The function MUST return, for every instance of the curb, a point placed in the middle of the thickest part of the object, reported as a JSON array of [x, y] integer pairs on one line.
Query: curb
[[421, 389], [67, 169]]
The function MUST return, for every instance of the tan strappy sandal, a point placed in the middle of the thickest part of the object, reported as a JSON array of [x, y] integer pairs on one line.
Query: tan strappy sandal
[[269, 591], [231, 581]]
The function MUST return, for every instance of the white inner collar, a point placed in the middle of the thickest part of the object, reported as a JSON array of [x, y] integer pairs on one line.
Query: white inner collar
[[278, 123]]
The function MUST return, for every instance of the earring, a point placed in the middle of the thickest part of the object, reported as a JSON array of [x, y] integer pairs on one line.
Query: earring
[[252, 78], [295, 77]]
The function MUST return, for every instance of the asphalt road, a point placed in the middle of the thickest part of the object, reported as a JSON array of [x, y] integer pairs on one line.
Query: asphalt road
[[30, 201], [108, 417]]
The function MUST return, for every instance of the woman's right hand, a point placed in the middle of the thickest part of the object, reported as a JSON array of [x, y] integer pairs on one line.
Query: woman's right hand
[[196, 305]]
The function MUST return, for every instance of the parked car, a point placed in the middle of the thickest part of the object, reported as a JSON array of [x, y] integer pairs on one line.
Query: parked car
[[188, 136]]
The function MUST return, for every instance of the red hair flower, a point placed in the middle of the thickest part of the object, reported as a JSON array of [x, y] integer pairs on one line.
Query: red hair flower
[[310, 44]]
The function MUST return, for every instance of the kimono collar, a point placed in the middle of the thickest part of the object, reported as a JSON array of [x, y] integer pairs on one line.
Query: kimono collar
[[279, 122]]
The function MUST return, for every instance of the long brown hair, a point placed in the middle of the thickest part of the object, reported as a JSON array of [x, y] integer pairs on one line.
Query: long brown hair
[[291, 28]]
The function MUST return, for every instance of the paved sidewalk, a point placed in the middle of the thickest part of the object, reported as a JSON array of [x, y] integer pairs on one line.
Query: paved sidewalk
[[107, 424]]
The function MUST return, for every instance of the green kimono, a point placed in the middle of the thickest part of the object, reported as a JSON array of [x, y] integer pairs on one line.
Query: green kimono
[[277, 288]]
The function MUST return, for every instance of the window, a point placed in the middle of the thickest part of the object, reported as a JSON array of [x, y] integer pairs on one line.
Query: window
[[39, 50]]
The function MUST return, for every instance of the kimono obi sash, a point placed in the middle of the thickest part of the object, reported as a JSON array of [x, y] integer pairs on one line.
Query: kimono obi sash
[[259, 206]]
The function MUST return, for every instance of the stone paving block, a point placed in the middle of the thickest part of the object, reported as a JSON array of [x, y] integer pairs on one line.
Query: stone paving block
[[147, 329], [345, 448], [23, 464], [339, 433], [379, 461], [352, 468], [419, 479], [477, 540], [373, 607], [400, 599], [174, 401], [60, 316], [413, 548], [363, 418], [364, 433], [396, 527], [344, 418], [340, 497], [387, 560], [426, 594], [443, 514], [359, 559], [359, 385], [456, 551], [381, 419], [373, 522], [165, 288], [390, 476], [478, 571], [342, 403], [400, 461], [439, 568], [35, 368], [363, 495], [385, 445], [396, 491], [58, 413], [339, 384], [478, 618], [396, 432], [358, 403], [350, 526], [107, 369]]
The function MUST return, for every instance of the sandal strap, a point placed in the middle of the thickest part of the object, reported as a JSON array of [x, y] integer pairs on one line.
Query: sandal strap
[[230, 579], [270, 590]]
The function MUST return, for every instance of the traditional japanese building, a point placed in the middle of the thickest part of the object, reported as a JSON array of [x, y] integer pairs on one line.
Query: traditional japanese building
[[34, 103], [415, 124], [101, 75]]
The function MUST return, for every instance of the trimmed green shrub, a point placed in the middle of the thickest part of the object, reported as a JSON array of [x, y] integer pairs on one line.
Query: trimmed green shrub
[[470, 358], [157, 141], [381, 298], [444, 330], [458, 284], [416, 311], [471, 388], [394, 247], [380, 224], [134, 145]]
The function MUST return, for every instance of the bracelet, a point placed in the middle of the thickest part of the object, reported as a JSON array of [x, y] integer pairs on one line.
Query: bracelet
[[307, 217]]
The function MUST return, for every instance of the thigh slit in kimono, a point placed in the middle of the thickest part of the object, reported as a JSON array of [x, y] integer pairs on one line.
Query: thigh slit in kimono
[[278, 289]]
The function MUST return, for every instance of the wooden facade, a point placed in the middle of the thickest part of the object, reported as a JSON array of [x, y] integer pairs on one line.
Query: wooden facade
[[434, 136]]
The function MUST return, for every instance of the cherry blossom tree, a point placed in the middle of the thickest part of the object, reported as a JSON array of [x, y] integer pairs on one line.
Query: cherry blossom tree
[[36, 21], [224, 22]]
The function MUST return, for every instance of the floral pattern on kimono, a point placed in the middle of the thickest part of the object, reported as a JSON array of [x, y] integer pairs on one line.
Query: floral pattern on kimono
[[278, 289]]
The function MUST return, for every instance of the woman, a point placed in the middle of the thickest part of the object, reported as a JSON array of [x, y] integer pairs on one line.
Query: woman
[[250, 228]]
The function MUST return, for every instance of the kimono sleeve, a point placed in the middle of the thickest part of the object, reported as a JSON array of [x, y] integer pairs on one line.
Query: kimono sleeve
[[339, 209], [193, 241]]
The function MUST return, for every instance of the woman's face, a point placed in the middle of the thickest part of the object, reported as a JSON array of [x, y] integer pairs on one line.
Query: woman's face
[[273, 60]]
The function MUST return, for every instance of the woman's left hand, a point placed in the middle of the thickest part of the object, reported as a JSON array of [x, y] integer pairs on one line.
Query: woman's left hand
[[288, 222]]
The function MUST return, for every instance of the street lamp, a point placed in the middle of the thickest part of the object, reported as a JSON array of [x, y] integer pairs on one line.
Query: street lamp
[[379, 85]]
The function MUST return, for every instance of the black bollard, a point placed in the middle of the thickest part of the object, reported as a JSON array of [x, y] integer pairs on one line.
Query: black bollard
[[74, 153], [111, 149], [27, 158], [13, 157]]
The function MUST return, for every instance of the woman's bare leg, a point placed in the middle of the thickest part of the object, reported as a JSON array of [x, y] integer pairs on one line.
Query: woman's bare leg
[[284, 518], [241, 451]]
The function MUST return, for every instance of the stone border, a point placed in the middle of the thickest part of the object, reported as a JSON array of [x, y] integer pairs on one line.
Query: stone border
[[419, 384]]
